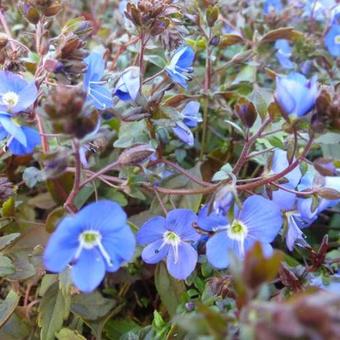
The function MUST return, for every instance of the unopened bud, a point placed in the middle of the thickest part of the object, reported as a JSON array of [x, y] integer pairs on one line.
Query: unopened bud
[[246, 112], [135, 155]]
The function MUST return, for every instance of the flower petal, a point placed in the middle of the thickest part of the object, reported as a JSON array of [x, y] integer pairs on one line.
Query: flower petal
[[100, 96], [104, 216], [181, 222], [95, 68], [33, 139], [262, 218], [62, 246], [155, 252], [217, 249], [13, 129], [89, 270], [120, 245], [186, 262], [27, 97], [151, 230], [183, 133]]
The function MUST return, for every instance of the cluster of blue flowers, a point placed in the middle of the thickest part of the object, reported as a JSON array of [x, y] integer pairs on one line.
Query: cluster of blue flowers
[[16, 95]]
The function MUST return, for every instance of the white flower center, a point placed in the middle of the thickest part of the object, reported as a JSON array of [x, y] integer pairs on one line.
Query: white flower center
[[170, 237], [238, 231], [10, 98], [337, 39], [89, 239]]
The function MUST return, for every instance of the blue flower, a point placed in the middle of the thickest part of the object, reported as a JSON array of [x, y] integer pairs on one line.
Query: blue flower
[[284, 199], [171, 238], [332, 40], [21, 140], [128, 85], [284, 52], [259, 220], [99, 95], [94, 240], [16, 94], [181, 65], [191, 118], [272, 6], [295, 94]]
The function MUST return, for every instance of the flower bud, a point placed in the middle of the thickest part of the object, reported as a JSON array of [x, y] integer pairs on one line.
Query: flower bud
[[136, 154], [246, 112], [212, 15]]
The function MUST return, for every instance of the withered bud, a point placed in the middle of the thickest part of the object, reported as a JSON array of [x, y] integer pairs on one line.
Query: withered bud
[[135, 155], [153, 15], [212, 15], [53, 9], [6, 188], [246, 112], [3, 40], [328, 109], [325, 167], [328, 193], [30, 12], [221, 286], [214, 41]]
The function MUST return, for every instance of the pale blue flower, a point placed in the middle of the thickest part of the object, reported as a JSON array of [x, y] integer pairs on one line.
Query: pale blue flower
[[295, 94], [180, 65], [332, 40], [94, 240], [171, 238], [272, 6], [259, 220], [284, 52], [16, 94]]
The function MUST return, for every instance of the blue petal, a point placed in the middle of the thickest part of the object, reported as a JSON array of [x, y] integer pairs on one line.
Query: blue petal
[[212, 221], [27, 97], [284, 60], [181, 222], [13, 129], [11, 82], [272, 5], [186, 262], [120, 245], [89, 270], [183, 57], [3, 133], [62, 245], [183, 133], [218, 247], [100, 96], [151, 230], [332, 182], [283, 97], [191, 114], [280, 162], [105, 216], [33, 139], [155, 252], [304, 206], [262, 218], [122, 95], [294, 234], [177, 77], [284, 199], [95, 68]]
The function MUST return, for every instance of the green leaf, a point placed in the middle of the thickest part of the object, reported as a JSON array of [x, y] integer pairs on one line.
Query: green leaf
[[32, 176], [276, 141], [169, 289], [69, 334], [8, 306], [6, 266], [247, 74], [91, 306], [132, 133], [6, 240], [53, 310], [223, 173]]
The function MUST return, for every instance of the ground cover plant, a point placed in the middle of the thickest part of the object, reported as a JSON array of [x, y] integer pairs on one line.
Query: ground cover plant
[[169, 169]]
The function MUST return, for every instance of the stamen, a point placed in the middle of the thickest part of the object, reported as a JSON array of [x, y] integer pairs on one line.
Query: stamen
[[10, 98]]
